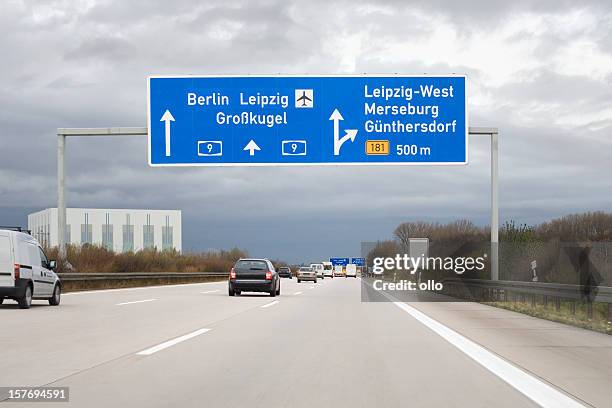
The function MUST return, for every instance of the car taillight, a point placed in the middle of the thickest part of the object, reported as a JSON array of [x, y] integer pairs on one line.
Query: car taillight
[[17, 271], [268, 275], [233, 274]]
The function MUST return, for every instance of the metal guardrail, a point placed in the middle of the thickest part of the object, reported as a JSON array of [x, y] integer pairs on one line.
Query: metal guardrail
[[518, 291], [70, 276], [566, 291]]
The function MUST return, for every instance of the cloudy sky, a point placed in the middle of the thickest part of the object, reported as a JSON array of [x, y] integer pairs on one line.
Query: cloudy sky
[[541, 71]]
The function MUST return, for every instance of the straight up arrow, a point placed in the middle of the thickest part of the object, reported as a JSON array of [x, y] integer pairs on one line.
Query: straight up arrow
[[251, 147], [167, 117]]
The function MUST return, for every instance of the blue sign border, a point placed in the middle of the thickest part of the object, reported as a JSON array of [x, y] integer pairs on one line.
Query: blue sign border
[[274, 164]]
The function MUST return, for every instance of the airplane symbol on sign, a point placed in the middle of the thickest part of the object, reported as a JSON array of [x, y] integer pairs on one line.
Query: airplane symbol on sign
[[304, 98]]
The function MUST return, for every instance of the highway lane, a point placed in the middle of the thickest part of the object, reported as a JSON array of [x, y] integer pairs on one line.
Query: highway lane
[[193, 345]]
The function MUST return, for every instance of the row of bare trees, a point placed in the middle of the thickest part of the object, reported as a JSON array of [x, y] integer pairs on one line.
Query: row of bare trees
[[587, 227], [549, 243]]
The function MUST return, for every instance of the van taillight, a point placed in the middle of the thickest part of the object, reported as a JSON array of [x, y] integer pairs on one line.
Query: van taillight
[[17, 271], [233, 274], [268, 275]]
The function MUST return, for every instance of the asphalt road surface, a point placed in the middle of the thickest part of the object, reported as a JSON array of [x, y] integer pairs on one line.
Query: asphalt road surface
[[317, 345]]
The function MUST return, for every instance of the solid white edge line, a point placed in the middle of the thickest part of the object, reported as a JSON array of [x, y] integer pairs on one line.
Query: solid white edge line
[[270, 304], [536, 390], [170, 343], [135, 301], [297, 293]]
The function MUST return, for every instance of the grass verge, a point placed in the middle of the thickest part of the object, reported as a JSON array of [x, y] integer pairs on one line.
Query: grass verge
[[571, 313]]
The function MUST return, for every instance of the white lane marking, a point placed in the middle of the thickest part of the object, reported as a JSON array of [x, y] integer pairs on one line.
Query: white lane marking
[[311, 287], [135, 301], [86, 292], [297, 293], [536, 390], [210, 291], [270, 304], [170, 343]]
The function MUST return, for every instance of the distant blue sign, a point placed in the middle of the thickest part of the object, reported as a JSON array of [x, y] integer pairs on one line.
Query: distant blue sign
[[339, 261], [358, 261], [291, 120]]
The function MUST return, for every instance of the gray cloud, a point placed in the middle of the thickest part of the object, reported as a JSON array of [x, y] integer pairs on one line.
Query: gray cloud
[[73, 64]]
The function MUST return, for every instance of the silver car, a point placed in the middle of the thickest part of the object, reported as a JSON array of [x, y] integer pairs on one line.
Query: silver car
[[306, 273]]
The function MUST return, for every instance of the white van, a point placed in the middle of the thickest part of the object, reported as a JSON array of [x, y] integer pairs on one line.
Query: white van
[[318, 269], [25, 271], [338, 270], [328, 269], [351, 270]]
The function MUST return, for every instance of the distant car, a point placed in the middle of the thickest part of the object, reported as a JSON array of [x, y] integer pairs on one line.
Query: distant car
[[253, 275], [284, 272], [328, 269], [318, 268], [306, 273], [351, 270], [25, 271]]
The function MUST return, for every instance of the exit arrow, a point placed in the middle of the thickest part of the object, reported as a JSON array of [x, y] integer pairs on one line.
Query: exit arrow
[[336, 116], [251, 147], [167, 117]]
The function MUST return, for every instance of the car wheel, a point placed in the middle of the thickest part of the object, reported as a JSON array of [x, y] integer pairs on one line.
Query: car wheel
[[315, 281], [278, 291], [26, 301], [231, 292], [273, 293], [237, 292], [1, 300], [299, 281], [57, 293]]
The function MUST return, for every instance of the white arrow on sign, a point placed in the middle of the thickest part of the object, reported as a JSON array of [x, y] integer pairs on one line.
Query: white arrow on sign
[[349, 133], [251, 147], [167, 117]]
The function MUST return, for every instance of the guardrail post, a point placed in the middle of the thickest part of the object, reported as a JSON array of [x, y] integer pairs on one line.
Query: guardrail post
[[557, 303], [609, 312], [589, 310]]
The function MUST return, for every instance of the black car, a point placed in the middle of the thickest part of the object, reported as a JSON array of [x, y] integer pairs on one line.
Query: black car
[[254, 275], [284, 272]]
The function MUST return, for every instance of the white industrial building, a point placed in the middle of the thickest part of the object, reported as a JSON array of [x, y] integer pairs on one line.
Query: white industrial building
[[117, 230]]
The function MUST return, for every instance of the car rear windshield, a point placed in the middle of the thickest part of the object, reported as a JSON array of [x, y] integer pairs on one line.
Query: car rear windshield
[[283, 268], [306, 269], [252, 265]]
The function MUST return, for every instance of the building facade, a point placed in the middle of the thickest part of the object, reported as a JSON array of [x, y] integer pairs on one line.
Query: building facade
[[117, 230]]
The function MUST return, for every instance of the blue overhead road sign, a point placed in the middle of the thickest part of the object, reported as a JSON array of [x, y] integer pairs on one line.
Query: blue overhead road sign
[[358, 261], [339, 261], [307, 120]]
